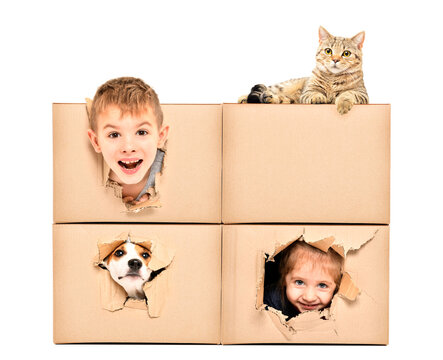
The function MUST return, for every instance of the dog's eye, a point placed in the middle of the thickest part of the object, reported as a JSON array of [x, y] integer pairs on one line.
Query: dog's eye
[[119, 253], [145, 255]]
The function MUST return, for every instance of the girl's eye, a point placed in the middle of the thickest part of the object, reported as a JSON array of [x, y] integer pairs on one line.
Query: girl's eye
[[346, 53], [322, 286], [145, 255], [119, 253], [142, 132], [113, 135], [299, 282], [328, 51]]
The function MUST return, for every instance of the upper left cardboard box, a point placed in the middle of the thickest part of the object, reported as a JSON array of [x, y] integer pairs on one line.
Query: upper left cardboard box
[[189, 188]]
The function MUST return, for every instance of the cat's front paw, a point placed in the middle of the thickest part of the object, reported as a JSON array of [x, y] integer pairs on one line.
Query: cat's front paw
[[316, 98], [242, 99], [344, 105], [267, 98]]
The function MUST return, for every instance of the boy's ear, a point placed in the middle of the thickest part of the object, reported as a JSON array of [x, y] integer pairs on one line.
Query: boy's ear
[[94, 140], [163, 136]]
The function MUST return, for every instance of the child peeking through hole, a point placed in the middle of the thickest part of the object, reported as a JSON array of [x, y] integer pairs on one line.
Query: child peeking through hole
[[308, 279], [126, 126]]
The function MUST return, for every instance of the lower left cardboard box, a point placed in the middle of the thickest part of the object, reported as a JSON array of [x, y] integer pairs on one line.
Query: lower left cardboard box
[[136, 283]]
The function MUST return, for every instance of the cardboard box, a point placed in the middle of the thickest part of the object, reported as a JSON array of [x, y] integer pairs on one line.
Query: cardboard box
[[305, 164], [359, 312], [189, 187], [183, 300]]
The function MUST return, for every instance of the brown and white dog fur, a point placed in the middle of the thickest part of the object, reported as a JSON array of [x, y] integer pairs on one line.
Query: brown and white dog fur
[[128, 266]]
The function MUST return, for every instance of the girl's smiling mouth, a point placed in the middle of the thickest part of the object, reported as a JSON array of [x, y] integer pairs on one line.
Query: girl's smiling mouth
[[309, 307], [130, 166]]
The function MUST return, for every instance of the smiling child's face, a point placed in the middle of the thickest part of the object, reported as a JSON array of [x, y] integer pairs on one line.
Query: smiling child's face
[[309, 287], [128, 142]]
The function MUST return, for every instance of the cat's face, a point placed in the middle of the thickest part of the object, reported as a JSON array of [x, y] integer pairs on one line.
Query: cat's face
[[338, 55]]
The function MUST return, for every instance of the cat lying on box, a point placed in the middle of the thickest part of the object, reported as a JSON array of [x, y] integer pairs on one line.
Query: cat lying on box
[[336, 79]]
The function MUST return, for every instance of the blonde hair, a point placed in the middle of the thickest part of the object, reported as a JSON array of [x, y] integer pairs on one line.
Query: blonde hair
[[300, 252], [129, 94]]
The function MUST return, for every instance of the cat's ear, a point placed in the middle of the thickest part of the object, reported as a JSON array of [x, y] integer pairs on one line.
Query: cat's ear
[[359, 38], [323, 34]]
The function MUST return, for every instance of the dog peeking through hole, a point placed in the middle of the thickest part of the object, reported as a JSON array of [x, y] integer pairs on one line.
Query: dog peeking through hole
[[128, 265]]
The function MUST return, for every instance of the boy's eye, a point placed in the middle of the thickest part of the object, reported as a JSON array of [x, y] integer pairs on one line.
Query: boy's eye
[[113, 135], [142, 132], [322, 286], [299, 282], [119, 253]]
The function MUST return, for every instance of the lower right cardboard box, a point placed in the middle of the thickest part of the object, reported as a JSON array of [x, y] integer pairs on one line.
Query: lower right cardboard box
[[273, 293]]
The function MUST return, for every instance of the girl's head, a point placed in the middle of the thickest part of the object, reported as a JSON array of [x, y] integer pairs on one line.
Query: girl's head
[[309, 277]]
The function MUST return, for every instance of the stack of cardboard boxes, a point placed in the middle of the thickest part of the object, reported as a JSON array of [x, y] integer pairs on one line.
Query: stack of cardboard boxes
[[240, 183]]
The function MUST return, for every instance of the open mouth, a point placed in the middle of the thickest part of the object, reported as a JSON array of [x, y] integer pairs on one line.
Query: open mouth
[[130, 166]]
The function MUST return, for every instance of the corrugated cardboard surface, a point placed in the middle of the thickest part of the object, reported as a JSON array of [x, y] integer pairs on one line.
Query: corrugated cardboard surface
[[191, 313], [190, 186], [363, 321], [305, 164]]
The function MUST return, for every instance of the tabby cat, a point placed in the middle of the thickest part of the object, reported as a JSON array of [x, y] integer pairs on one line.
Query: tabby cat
[[336, 79]]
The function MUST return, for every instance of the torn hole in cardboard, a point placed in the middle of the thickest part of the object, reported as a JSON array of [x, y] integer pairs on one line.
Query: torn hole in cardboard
[[320, 320], [150, 192], [155, 290]]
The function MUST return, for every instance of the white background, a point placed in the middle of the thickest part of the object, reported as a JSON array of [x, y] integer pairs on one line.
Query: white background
[[212, 52]]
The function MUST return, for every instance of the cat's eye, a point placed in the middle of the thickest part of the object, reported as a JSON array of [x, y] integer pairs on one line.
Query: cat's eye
[[346, 53], [328, 51]]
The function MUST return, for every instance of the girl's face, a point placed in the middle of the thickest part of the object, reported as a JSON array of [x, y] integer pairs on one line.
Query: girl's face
[[309, 287]]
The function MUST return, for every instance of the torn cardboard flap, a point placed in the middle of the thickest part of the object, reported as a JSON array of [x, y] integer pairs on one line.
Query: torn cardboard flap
[[322, 239], [154, 291], [347, 288], [113, 296], [350, 241]]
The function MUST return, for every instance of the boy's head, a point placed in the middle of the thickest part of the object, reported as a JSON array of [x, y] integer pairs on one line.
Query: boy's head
[[126, 126], [309, 277]]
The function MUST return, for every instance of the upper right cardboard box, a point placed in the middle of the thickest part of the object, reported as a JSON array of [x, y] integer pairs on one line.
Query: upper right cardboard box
[[305, 164]]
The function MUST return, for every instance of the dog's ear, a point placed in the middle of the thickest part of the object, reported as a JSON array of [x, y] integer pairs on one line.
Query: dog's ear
[[154, 274]]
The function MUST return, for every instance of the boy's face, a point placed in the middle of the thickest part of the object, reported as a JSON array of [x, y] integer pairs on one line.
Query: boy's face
[[128, 142], [309, 287]]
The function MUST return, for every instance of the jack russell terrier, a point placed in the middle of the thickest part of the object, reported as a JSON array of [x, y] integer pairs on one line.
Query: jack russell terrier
[[128, 266]]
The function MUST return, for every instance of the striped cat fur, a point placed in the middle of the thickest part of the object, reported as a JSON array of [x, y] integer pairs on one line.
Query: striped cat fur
[[336, 79]]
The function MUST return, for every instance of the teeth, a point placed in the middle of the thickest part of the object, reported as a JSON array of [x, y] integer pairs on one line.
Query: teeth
[[130, 162]]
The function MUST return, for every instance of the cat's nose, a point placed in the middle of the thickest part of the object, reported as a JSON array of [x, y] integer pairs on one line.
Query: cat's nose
[[335, 60]]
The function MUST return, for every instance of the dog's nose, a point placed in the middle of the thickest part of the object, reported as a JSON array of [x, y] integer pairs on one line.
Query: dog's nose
[[134, 264]]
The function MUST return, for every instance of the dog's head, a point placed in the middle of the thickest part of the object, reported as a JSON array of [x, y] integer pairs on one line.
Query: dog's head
[[128, 266]]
